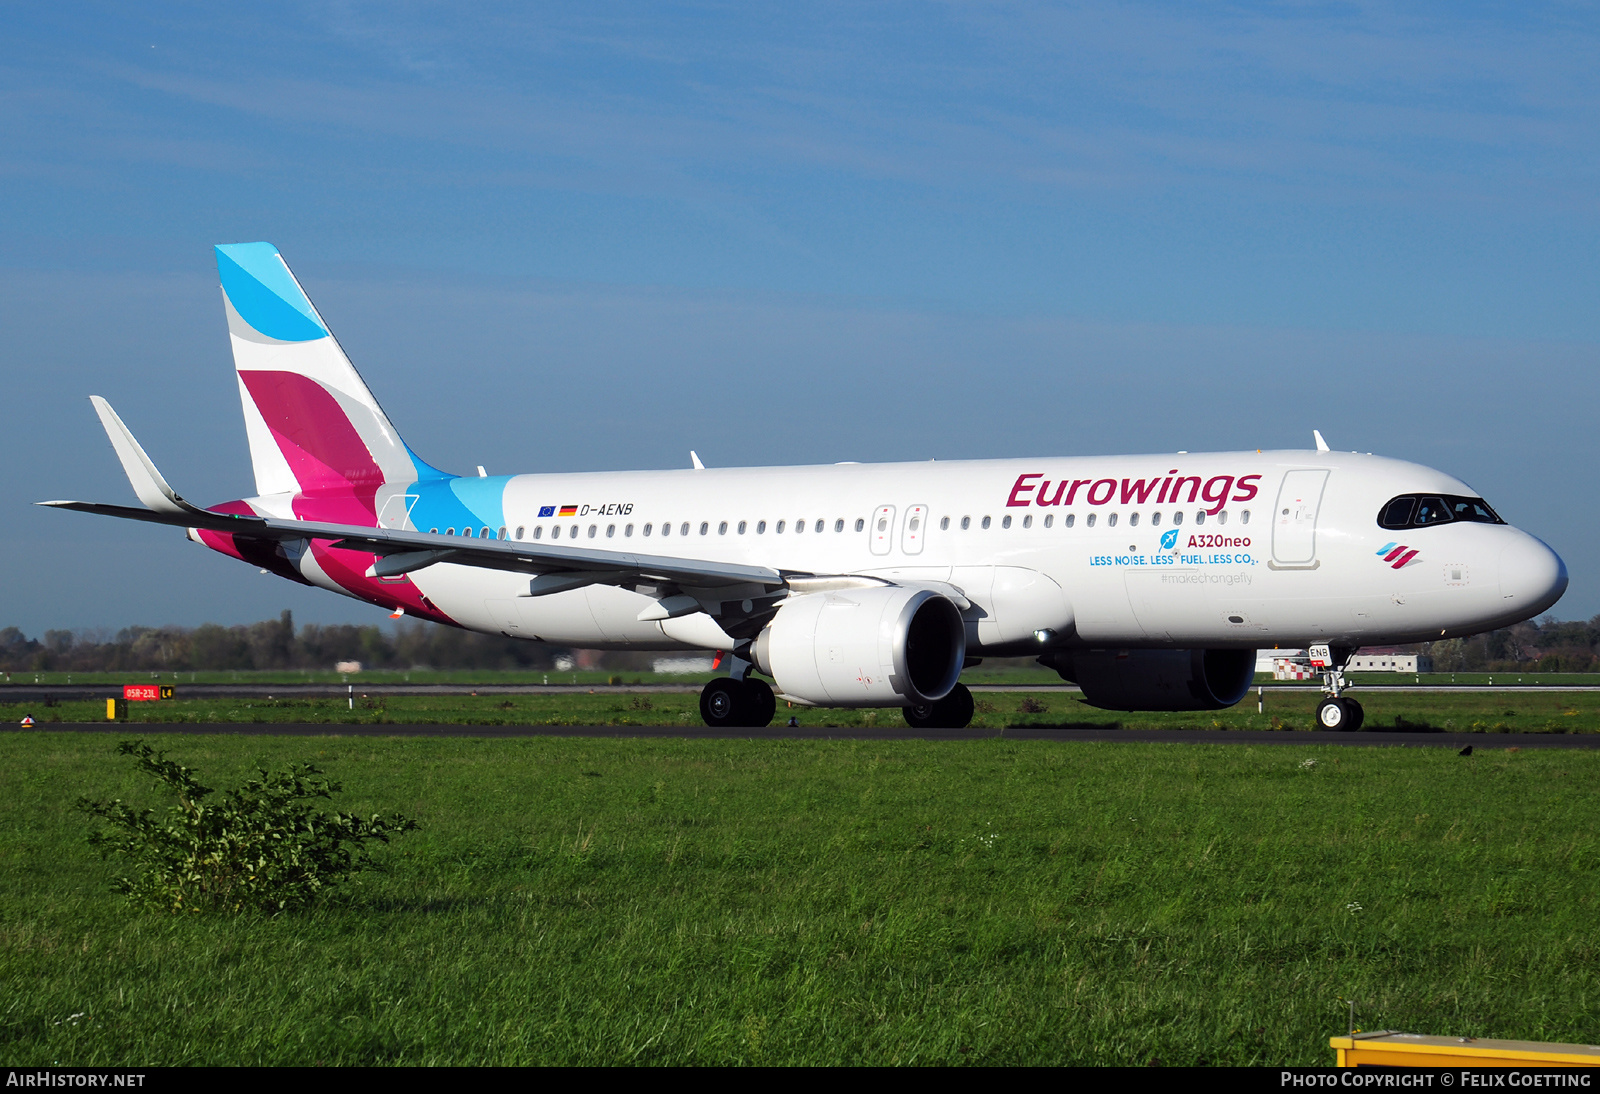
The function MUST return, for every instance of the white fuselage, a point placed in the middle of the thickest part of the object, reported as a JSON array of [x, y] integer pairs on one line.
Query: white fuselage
[[1248, 549]]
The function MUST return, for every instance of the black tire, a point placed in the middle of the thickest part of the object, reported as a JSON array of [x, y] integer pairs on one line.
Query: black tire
[[956, 708], [760, 703], [1335, 715], [1357, 715], [954, 711], [723, 703]]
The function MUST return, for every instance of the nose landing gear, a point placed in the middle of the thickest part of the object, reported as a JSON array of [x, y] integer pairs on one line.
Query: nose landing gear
[[1336, 712]]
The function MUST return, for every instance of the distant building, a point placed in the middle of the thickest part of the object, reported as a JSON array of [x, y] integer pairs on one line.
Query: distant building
[[1389, 661], [347, 667], [1296, 664], [687, 666]]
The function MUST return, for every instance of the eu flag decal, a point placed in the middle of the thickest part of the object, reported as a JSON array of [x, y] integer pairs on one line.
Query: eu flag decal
[[547, 511]]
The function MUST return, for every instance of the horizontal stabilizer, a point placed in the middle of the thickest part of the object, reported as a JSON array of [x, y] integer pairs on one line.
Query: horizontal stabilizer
[[147, 482]]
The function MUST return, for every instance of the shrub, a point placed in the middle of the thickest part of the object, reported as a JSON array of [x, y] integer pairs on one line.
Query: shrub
[[260, 848]]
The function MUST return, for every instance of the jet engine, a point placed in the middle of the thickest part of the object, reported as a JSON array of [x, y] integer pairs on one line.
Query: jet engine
[[870, 647], [1157, 679]]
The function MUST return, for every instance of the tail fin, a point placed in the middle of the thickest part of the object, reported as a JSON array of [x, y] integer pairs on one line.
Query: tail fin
[[312, 423]]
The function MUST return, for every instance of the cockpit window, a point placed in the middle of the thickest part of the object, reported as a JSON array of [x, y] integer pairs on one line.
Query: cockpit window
[[1412, 511], [1474, 509], [1431, 511], [1397, 514]]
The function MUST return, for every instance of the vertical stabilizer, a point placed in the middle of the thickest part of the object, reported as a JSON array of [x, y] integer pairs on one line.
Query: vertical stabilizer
[[312, 424]]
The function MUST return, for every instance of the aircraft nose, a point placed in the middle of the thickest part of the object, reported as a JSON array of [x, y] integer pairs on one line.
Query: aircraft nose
[[1532, 576]]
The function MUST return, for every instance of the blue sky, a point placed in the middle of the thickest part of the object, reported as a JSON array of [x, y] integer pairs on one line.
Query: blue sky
[[596, 236]]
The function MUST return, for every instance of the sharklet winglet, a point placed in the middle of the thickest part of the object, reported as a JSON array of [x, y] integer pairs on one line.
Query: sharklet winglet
[[147, 482]]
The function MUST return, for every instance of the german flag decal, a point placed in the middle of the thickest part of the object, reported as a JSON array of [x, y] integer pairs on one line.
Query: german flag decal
[[569, 511]]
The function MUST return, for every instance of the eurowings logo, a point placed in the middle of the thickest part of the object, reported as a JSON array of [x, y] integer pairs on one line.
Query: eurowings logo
[[1169, 539], [1397, 554]]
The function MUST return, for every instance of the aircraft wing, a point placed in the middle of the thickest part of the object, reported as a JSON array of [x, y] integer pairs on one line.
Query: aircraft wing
[[556, 568]]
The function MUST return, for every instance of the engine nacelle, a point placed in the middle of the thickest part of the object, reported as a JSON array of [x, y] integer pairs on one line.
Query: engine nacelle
[[873, 647], [1157, 679]]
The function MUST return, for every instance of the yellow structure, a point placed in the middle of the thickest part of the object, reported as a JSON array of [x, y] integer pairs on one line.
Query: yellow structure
[[1386, 1048]]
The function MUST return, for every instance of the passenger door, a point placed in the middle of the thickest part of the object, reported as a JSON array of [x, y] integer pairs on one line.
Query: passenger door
[[1294, 520]]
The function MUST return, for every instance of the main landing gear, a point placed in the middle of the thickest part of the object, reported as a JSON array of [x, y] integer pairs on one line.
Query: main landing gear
[[726, 702], [1336, 712], [954, 711]]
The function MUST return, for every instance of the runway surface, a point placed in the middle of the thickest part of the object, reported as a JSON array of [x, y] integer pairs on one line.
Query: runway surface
[[1480, 741]]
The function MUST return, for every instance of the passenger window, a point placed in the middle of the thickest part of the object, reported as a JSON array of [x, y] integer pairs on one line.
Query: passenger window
[[705, 526], [1049, 519], [1133, 520], [838, 525], [966, 522], [538, 531], [502, 534], [1111, 520], [1155, 520], [572, 533], [433, 531], [611, 530], [592, 530], [818, 528], [944, 524], [648, 528], [628, 531], [1089, 521], [742, 526], [1244, 516], [666, 527], [761, 527], [860, 524], [1070, 521], [1027, 521], [1200, 516], [683, 529], [780, 527], [722, 528], [800, 525], [520, 530], [986, 523], [883, 523], [1005, 521], [1222, 517], [467, 532]]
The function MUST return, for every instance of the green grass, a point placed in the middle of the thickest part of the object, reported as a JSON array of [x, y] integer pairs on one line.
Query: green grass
[[1483, 712], [994, 902]]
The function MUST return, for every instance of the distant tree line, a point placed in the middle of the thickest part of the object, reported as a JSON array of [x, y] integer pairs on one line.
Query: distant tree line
[[1543, 646], [271, 644]]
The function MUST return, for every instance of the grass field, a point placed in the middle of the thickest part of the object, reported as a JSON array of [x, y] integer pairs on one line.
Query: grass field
[[1483, 712], [773, 902]]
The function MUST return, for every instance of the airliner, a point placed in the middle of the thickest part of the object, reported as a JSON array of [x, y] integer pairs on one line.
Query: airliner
[[1149, 581]]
